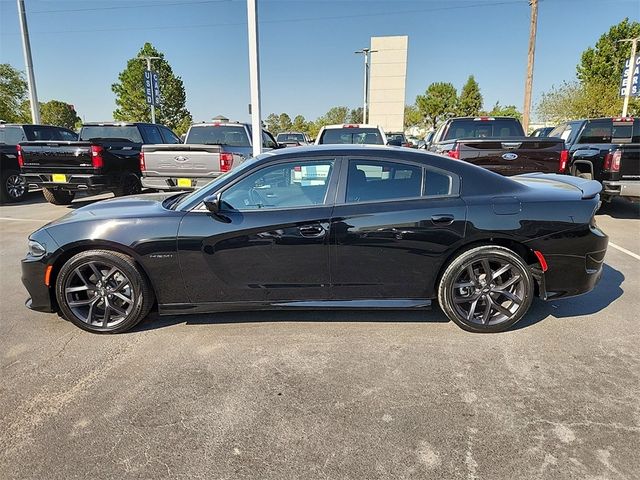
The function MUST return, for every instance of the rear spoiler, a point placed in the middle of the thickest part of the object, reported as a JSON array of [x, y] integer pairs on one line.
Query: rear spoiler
[[589, 188]]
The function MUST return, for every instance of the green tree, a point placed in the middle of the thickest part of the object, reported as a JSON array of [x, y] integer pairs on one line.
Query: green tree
[[412, 116], [55, 112], [285, 122], [272, 123], [13, 92], [130, 92], [504, 111], [355, 115], [335, 115], [470, 101], [299, 124], [438, 103]]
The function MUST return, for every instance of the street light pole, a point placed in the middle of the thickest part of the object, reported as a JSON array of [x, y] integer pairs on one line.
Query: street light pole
[[254, 76], [632, 69], [365, 104], [26, 48], [530, 60], [153, 107]]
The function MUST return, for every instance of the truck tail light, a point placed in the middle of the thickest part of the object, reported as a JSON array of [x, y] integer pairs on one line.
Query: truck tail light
[[96, 156], [455, 152], [226, 161], [350, 125], [20, 157], [564, 158], [143, 167], [612, 161]]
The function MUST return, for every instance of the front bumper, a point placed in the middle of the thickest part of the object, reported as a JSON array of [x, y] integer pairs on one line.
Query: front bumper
[[40, 296], [74, 181], [623, 188], [171, 183]]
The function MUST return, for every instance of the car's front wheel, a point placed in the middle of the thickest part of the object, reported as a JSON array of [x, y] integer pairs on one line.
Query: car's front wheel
[[486, 289], [103, 291]]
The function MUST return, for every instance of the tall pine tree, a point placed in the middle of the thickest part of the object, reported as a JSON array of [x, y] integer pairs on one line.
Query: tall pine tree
[[470, 101]]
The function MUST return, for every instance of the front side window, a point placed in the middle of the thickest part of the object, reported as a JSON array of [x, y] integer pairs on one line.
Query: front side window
[[268, 141], [372, 180], [168, 136], [286, 185], [68, 135]]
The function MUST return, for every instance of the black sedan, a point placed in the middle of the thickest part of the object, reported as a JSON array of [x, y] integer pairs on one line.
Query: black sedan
[[325, 227]]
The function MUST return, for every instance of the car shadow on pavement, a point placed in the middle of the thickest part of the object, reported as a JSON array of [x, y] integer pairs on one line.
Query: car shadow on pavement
[[606, 292], [621, 208]]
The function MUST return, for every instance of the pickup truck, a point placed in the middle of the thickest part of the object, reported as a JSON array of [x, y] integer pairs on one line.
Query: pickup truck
[[209, 150], [14, 187], [498, 144], [105, 158], [606, 150]]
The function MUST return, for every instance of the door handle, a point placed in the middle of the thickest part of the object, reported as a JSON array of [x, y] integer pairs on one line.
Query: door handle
[[442, 219], [312, 231]]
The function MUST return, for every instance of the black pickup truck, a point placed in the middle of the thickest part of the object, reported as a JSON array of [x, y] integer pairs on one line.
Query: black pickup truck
[[13, 187], [106, 157], [606, 150], [498, 144]]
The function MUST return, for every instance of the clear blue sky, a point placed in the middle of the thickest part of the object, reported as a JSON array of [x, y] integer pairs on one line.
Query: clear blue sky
[[307, 46]]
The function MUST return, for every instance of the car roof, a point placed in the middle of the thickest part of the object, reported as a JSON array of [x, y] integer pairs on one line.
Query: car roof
[[352, 125], [218, 124], [115, 124]]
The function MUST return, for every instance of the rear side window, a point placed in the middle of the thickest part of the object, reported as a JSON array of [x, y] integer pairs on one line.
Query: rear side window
[[484, 129], [372, 180], [437, 183], [369, 136], [597, 131], [151, 134], [168, 136], [231, 135], [10, 135], [113, 132]]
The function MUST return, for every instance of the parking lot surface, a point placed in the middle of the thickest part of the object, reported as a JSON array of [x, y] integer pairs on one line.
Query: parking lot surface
[[324, 394]]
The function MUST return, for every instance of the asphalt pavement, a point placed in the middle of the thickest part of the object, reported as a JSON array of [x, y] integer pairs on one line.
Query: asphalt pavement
[[339, 395]]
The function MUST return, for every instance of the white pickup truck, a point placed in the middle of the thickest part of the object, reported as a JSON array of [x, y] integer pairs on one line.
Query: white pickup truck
[[209, 150]]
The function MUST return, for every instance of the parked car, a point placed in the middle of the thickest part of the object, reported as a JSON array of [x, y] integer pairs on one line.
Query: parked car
[[541, 132], [209, 150], [14, 187], [606, 150], [413, 141], [351, 133], [105, 158], [498, 144], [398, 138], [373, 227], [293, 139]]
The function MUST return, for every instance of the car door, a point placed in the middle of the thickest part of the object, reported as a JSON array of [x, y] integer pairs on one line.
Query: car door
[[391, 225], [270, 241]]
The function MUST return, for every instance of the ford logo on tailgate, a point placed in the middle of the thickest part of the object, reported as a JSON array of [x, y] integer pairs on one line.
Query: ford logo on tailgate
[[181, 159], [509, 156]]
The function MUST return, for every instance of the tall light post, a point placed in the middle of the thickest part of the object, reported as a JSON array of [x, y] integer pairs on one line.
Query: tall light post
[[26, 49], [254, 76], [148, 60], [365, 105], [533, 28]]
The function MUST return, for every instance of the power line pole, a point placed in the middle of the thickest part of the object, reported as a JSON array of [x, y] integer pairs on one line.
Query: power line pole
[[365, 104], [254, 76], [632, 69], [530, 60], [26, 48], [153, 107]]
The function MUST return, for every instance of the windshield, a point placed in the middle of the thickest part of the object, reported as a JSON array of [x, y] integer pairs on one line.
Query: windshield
[[290, 137], [233, 135], [128, 133], [371, 136]]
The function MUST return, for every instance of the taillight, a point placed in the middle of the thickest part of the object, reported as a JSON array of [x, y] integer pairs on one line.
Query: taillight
[[143, 167], [612, 161], [96, 156], [455, 153], [564, 158], [20, 157], [226, 161]]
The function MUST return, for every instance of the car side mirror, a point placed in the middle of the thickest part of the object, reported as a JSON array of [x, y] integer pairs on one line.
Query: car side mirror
[[212, 203], [394, 143]]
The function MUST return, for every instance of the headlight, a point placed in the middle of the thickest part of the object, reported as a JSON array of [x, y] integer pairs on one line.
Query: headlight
[[36, 249]]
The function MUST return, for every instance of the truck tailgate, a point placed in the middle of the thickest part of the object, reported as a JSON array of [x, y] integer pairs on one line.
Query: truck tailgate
[[58, 157], [513, 156], [181, 160], [630, 162]]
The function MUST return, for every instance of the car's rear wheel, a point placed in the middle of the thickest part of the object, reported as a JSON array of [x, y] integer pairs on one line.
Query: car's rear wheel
[[14, 188], [103, 291], [486, 289], [57, 196], [130, 185]]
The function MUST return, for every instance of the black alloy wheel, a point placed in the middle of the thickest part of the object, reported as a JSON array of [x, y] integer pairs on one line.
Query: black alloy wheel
[[103, 291], [486, 289], [14, 187]]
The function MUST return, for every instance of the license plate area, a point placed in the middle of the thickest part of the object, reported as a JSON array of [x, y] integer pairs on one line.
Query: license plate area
[[59, 178], [184, 182]]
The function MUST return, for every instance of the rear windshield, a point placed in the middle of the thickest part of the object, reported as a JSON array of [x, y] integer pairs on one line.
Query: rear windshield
[[507, 127], [125, 133], [233, 135], [607, 131], [371, 136], [396, 136], [290, 137]]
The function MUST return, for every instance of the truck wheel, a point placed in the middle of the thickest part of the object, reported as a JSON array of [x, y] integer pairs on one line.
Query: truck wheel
[[57, 196], [130, 185], [14, 188], [586, 176]]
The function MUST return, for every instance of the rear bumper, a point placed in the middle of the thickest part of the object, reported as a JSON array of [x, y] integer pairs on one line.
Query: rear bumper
[[623, 188], [171, 183], [33, 272], [74, 181]]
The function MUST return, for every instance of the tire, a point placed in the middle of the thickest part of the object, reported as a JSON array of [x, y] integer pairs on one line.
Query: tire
[[130, 185], [586, 176], [14, 187], [102, 291], [492, 307], [58, 196]]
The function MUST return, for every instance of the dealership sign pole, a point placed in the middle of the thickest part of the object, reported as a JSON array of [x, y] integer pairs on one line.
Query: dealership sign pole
[[630, 74], [254, 76], [26, 48]]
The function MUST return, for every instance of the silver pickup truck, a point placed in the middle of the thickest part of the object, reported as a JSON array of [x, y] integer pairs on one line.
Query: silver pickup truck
[[209, 150]]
